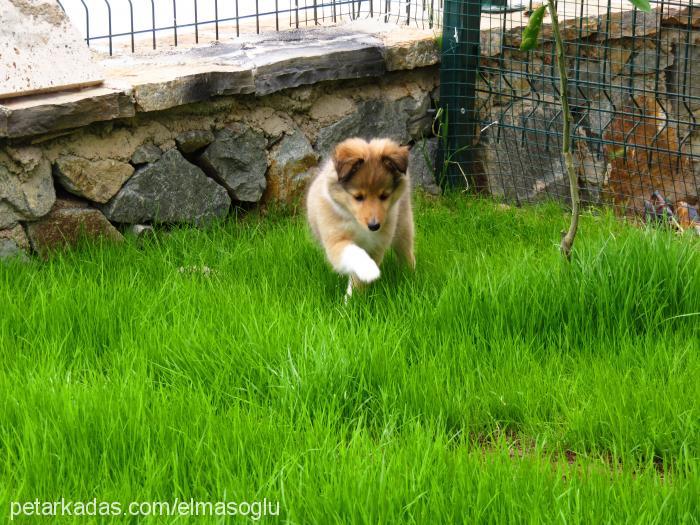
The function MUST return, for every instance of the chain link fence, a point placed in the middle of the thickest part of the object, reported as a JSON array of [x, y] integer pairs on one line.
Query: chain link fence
[[634, 89]]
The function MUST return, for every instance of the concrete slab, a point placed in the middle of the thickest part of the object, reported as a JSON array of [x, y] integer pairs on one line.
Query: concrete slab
[[40, 51]]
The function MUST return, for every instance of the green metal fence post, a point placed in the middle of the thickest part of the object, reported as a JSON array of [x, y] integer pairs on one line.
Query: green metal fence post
[[460, 59]]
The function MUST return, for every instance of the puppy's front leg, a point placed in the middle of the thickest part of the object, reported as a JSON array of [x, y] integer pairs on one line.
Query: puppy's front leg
[[353, 283], [352, 260], [403, 238]]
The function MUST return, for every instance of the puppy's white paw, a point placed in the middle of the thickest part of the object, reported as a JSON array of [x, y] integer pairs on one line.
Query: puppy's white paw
[[356, 261], [367, 271]]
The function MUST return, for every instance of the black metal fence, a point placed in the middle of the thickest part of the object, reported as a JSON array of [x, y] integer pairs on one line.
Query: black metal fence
[[117, 26], [634, 88]]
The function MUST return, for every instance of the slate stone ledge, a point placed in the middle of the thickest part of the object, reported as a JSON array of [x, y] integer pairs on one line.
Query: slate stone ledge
[[259, 65], [40, 114]]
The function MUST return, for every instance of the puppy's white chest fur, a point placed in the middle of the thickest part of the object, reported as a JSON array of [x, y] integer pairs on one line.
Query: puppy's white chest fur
[[373, 241]]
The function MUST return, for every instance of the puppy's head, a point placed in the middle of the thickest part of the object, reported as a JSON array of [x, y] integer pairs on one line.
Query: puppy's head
[[371, 178]]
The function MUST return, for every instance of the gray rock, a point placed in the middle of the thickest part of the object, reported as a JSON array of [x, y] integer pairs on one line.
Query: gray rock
[[420, 120], [522, 161], [586, 78], [68, 222], [691, 177], [261, 65], [291, 168], [97, 180], [410, 52], [684, 76], [237, 159], [648, 61], [4, 112], [373, 118], [10, 250], [145, 154], [191, 141], [171, 190], [628, 23], [514, 77], [525, 166], [617, 99], [292, 148], [13, 243], [615, 72], [421, 165], [26, 186]]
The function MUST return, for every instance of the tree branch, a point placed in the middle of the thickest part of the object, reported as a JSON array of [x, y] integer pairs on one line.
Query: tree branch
[[567, 240]]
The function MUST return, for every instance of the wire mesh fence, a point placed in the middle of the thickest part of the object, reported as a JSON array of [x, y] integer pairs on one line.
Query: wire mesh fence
[[118, 26], [634, 89]]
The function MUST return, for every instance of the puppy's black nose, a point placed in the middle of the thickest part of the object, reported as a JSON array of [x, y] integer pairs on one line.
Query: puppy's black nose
[[373, 226]]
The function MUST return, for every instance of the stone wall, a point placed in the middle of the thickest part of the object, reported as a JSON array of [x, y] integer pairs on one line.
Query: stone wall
[[178, 149]]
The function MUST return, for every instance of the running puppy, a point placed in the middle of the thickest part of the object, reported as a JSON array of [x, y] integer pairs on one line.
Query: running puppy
[[359, 205]]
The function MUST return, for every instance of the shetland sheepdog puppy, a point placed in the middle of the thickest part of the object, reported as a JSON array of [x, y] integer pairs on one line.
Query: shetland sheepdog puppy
[[359, 205]]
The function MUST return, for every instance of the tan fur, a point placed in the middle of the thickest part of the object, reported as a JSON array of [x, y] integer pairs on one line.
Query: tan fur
[[377, 173]]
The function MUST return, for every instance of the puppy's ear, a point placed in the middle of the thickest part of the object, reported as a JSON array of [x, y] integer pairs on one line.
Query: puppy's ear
[[348, 157], [395, 159], [347, 167]]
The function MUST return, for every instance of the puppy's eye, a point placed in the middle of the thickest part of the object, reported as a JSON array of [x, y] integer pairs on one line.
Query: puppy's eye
[[359, 198], [384, 196]]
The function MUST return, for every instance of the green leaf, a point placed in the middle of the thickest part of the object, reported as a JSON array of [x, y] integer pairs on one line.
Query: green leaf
[[642, 5], [617, 153], [532, 31]]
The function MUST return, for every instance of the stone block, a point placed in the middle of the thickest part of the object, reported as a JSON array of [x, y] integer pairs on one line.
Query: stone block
[[373, 119], [191, 141], [146, 153], [292, 163], [422, 165], [171, 190], [66, 224], [525, 164], [96, 180], [13, 243], [237, 159], [26, 186]]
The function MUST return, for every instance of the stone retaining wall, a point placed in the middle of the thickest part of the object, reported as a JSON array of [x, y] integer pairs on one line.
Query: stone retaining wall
[[173, 146]]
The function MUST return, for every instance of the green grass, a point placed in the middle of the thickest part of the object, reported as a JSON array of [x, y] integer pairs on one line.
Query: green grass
[[497, 384]]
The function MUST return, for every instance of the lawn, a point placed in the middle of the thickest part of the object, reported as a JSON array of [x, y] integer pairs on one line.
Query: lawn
[[496, 384]]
